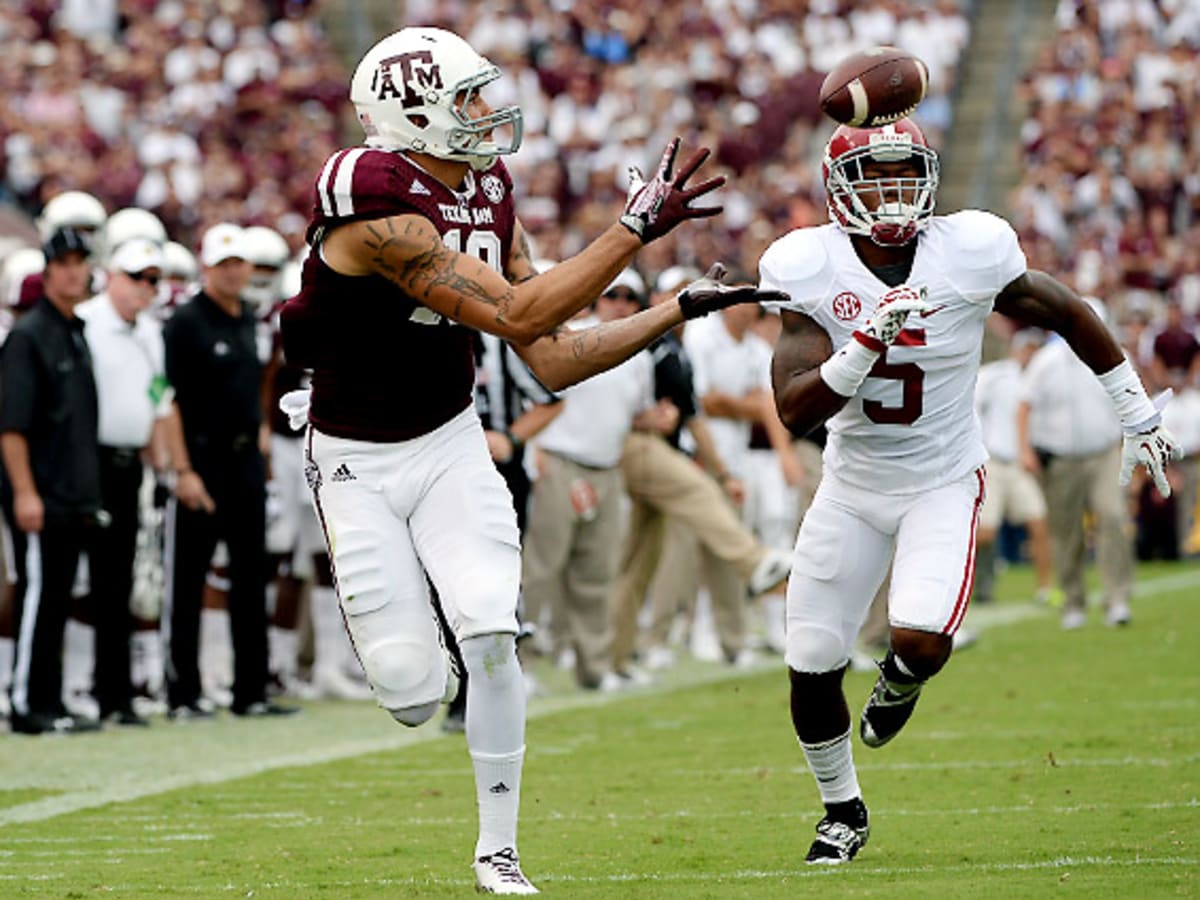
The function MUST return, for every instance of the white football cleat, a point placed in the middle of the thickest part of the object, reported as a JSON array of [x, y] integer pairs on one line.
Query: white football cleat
[[1118, 614], [1073, 619], [771, 570], [500, 873]]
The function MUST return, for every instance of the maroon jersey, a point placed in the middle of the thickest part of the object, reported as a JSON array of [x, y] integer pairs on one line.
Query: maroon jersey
[[385, 367]]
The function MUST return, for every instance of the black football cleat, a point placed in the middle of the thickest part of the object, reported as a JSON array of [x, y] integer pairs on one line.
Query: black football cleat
[[888, 709], [838, 842]]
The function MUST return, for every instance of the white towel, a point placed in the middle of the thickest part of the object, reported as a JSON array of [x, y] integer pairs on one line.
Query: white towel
[[295, 406]]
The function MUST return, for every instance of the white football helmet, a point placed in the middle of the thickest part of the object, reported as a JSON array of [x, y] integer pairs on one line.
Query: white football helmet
[[902, 206], [179, 263], [71, 209], [412, 90], [268, 252], [18, 265], [132, 222]]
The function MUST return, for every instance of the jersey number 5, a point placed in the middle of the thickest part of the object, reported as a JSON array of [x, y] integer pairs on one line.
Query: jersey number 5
[[483, 245], [910, 375]]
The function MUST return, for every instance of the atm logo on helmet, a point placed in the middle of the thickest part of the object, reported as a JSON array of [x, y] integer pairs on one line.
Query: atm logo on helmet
[[418, 71]]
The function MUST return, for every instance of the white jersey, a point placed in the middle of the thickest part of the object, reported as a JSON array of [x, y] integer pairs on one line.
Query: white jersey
[[721, 362], [997, 394], [912, 425]]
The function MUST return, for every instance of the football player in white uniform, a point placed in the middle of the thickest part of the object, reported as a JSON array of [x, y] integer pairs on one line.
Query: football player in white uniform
[[881, 340]]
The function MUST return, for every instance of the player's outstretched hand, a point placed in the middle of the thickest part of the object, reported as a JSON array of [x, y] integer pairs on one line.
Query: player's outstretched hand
[[1153, 449], [656, 206], [889, 317], [712, 292]]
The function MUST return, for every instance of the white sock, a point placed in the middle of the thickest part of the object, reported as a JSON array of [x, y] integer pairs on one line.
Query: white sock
[[282, 643], [832, 763], [7, 647], [216, 649], [498, 792], [147, 660], [79, 655], [495, 735]]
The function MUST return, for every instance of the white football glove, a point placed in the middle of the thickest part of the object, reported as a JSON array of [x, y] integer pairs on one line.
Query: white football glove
[[1153, 449], [887, 322]]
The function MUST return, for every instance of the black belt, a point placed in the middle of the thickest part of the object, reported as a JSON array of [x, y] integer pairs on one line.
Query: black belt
[[123, 457]]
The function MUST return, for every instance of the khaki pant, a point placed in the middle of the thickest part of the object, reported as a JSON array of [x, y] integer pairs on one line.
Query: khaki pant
[[570, 559], [1073, 484], [663, 484], [686, 565]]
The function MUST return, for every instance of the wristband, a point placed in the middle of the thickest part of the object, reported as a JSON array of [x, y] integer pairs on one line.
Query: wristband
[[847, 369], [1129, 399], [517, 443]]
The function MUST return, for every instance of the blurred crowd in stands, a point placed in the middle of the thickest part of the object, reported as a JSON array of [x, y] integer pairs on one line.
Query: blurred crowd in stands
[[1110, 192], [208, 111]]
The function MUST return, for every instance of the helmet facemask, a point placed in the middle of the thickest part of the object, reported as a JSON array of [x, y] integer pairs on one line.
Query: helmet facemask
[[899, 207]]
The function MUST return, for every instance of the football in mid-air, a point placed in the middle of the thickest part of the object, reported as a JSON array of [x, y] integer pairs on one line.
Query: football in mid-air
[[874, 87]]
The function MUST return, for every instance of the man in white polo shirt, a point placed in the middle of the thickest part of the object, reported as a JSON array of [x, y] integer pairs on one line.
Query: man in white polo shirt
[[573, 540], [127, 359], [1071, 437]]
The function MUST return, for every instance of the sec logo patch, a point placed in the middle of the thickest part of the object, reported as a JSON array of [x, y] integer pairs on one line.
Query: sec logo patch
[[846, 306], [493, 188]]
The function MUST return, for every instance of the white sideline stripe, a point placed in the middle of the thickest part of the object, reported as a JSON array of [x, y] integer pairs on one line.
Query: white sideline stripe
[[145, 786]]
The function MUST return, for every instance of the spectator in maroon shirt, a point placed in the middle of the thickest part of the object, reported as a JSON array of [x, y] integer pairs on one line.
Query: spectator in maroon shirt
[[1176, 359]]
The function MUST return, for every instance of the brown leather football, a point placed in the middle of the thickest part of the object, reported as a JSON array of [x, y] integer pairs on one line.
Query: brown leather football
[[874, 87]]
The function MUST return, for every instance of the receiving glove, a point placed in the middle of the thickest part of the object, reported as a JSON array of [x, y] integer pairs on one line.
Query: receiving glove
[[889, 317], [848, 368], [711, 293], [1153, 449], [656, 206]]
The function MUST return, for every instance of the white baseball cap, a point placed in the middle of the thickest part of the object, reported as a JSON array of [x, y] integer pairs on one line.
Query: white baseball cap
[[629, 279], [675, 277], [137, 255], [221, 242]]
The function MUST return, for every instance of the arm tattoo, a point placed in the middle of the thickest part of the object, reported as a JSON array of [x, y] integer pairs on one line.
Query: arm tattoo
[[415, 258], [520, 260]]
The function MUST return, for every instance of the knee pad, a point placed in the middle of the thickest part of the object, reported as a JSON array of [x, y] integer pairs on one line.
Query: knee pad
[[406, 675], [412, 716], [815, 650]]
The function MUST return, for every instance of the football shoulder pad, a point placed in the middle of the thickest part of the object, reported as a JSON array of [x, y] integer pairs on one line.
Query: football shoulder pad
[[981, 254], [365, 183], [797, 264]]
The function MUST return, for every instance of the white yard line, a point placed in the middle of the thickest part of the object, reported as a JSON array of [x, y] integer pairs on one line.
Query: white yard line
[[708, 879], [242, 749]]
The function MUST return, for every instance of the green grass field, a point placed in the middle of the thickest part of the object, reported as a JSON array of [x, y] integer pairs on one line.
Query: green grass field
[[1040, 763]]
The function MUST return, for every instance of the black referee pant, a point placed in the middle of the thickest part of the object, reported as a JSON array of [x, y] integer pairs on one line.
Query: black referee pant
[[236, 481], [110, 569], [45, 563]]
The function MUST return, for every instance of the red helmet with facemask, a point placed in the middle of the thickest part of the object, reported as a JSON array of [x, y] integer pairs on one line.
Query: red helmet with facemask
[[905, 203]]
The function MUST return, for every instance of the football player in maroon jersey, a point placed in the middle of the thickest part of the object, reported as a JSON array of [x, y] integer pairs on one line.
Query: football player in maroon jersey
[[415, 241]]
